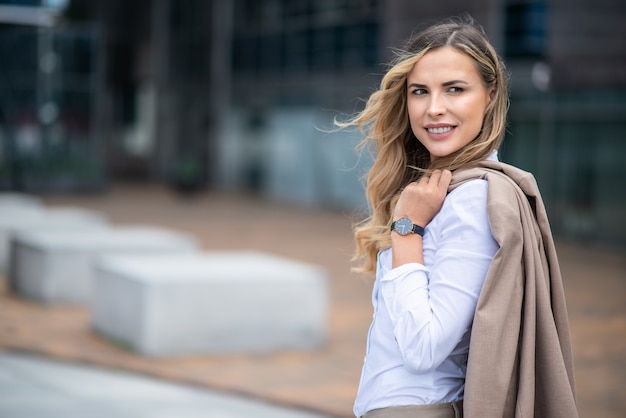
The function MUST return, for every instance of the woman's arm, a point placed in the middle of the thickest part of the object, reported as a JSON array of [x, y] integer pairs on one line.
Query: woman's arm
[[432, 308], [419, 201]]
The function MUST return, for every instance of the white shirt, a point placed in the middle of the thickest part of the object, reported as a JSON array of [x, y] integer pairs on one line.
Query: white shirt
[[419, 338]]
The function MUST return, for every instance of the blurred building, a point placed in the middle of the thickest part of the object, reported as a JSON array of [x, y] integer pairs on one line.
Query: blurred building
[[241, 94], [48, 83]]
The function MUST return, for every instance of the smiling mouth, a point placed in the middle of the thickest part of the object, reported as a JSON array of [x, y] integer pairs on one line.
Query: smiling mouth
[[441, 130]]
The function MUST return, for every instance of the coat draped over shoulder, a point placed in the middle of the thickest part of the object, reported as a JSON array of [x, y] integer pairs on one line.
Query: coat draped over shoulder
[[520, 358]]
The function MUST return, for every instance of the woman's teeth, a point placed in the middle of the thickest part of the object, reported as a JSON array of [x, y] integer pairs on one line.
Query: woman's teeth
[[439, 130]]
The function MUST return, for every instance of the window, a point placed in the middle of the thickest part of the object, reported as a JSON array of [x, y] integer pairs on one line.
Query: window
[[302, 36], [525, 31]]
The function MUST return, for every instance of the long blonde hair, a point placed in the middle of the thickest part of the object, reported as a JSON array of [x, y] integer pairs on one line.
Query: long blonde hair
[[399, 157]]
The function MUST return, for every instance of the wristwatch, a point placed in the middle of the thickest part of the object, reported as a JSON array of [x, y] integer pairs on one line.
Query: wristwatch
[[404, 226]]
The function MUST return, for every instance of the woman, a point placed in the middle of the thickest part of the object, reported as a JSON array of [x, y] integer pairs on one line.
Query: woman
[[454, 296]]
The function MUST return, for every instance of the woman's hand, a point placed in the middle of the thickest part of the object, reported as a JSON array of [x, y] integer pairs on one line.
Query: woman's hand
[[421, 200]]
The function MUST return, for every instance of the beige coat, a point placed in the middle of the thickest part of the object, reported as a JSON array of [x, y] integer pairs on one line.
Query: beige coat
[[520, 359]]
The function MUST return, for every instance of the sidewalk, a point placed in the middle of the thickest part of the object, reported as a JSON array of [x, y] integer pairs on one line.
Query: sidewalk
[[322, 381], [32, 387]]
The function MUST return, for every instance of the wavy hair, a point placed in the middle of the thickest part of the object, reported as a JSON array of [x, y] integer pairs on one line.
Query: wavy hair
[[399, 157]]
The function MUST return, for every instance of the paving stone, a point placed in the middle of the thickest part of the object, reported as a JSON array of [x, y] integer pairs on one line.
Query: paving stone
[[32, 387]]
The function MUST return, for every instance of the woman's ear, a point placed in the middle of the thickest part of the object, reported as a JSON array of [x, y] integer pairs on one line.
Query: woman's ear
[[492, 93]]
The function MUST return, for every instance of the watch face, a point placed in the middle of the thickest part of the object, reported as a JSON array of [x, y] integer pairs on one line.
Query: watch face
[[403, 226]]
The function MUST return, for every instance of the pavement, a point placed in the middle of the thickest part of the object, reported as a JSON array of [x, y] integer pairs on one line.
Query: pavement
[[35, 387], [40, 344]]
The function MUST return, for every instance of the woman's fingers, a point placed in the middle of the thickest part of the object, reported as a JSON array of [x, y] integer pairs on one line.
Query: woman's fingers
[[445, 179], [434, 177], [438, 178], [421, 200]]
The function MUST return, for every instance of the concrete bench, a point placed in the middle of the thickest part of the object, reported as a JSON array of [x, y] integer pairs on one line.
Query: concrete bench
[[18, 200], [216, 302], [57, 267], [15, 220]]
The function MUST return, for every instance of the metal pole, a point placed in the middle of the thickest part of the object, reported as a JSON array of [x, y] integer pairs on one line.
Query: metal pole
[[220, 77], [160, 64]]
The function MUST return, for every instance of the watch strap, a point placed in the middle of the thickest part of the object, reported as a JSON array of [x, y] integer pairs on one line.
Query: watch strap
[[418, 230]]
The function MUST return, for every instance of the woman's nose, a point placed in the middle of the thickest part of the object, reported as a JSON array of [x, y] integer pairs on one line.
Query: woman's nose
[[436, 106]]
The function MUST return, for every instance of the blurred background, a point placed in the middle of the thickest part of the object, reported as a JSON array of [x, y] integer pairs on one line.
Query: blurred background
[[238, 95], [125, 106]]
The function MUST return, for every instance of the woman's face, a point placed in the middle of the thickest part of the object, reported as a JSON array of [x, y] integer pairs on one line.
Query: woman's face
[[446, 100]]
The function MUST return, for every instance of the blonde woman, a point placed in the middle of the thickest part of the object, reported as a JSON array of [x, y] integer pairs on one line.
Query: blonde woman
[[469, 313]]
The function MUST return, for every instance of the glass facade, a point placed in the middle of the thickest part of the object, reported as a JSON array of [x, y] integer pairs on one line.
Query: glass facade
[[303, 36], [47, 96], [525, 29], [573, 144], [569, 137], [295, 65]]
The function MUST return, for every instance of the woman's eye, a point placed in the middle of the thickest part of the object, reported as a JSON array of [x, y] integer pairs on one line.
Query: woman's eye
[[455, 90], [419, 92]]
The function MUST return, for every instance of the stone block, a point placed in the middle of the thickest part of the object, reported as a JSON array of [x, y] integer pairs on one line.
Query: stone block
[[18, 200], [57, 267], [214, 302], [15, 220]]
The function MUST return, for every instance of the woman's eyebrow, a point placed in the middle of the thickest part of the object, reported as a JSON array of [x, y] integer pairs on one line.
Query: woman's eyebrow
[[445, 84], [451, 82]]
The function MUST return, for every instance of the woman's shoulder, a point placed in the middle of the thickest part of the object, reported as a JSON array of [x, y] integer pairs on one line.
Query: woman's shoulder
[[463, 218], [465, 202], [471, 191]]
